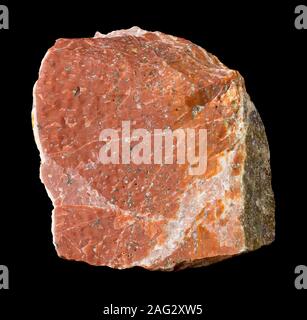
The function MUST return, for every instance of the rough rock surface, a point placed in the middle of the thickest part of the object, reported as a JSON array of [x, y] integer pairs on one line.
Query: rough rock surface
[[153, 216]]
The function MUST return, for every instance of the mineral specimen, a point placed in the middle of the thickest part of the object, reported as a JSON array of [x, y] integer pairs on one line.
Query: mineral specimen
[[157, 216]]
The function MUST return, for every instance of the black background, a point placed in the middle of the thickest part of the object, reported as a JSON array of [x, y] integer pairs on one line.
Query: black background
[[258, 39]]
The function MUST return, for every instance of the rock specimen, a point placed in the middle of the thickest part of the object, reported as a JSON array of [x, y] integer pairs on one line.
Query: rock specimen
[[157, 216]]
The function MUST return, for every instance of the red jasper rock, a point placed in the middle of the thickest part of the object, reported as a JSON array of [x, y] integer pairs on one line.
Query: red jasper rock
[[149, 215]]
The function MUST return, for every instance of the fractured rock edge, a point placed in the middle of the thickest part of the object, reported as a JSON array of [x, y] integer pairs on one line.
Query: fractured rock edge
[[258, 219]]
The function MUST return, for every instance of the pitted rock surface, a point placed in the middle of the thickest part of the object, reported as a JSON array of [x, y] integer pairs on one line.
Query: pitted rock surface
[[149, 215]]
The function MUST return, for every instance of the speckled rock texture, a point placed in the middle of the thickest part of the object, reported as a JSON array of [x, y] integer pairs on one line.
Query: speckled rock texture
[[154, 216]]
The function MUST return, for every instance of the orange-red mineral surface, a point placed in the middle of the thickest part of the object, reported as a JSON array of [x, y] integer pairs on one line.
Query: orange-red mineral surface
[[157, 216]]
